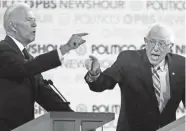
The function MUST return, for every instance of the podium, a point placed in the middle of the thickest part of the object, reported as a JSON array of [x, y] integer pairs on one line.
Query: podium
[[178, 125], [67, 121]]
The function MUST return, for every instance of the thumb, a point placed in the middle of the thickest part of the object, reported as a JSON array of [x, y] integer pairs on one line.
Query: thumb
[[88, 64]]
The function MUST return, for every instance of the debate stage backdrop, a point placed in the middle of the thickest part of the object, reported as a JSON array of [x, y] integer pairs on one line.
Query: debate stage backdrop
[[113, 25]]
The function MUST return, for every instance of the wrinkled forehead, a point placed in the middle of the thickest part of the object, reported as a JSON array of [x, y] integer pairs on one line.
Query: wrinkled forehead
[[161, 33]]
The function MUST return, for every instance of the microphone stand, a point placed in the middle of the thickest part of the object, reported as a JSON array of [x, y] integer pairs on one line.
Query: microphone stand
[[49, 82]]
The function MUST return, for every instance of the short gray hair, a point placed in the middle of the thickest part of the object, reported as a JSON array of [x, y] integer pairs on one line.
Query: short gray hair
[[9, 12]]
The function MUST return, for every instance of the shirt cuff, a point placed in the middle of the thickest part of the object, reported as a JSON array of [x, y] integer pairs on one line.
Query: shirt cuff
[[91, 78], [61, 58]]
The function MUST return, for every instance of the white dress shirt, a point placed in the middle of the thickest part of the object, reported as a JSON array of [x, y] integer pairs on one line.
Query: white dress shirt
[[21, 47], [164, 82]]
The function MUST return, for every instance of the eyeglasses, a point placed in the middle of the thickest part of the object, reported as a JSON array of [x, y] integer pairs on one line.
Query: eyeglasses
[[160, 43]]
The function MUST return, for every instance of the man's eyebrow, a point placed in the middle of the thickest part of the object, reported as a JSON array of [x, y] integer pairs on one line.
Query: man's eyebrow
[[31, 18]]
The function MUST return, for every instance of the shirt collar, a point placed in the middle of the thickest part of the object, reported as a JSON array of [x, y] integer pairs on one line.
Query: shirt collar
[[20, 46], [161, 65]]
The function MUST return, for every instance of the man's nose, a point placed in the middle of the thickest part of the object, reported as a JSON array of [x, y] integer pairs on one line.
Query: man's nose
[[34, 24], [156, 47]]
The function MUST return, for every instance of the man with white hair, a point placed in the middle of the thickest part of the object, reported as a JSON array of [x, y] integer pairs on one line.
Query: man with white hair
[[152, 82], [20, 74]]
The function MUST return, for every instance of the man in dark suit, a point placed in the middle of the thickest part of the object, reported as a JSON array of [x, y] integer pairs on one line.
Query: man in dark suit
[[152, 82], [21, 82]]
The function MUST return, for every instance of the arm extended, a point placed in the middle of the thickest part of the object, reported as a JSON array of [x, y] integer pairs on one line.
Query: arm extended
[[109, 78], [12, 65]]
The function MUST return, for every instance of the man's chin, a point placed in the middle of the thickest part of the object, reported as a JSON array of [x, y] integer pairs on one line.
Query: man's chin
[[155, 62], [32, 39]]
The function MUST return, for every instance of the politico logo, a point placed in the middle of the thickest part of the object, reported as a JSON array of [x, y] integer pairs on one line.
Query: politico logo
[[117, 48], [115, 108], [176, 5], [111, 49]]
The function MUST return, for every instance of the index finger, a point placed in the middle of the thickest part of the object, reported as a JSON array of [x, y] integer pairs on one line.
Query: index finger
[[82, 34], [93, 58]]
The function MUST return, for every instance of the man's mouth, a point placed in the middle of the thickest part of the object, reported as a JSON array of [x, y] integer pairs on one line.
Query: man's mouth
[[155, 56], [34, 32]]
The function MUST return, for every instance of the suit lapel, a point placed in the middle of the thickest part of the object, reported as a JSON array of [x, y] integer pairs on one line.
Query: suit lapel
[[146, 72], [15, 48], [171, 72]]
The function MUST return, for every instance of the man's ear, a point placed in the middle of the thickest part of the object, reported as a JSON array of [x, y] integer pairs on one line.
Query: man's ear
[[145, 40], [170, 47], [12, 26]]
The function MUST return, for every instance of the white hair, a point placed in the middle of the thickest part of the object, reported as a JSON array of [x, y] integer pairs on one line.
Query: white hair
[[9, 12]]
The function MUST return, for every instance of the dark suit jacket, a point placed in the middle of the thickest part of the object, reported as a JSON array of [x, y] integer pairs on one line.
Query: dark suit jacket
[[21, 84], [139, 108]]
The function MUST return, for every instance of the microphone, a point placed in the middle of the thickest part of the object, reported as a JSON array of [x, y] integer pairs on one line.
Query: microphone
[[50, 82]]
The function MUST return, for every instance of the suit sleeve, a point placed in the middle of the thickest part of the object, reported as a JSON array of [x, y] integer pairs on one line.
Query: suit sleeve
[[49, 99], [183, 79], [12, 65], [109, 78], [183, 97], [183, 92]]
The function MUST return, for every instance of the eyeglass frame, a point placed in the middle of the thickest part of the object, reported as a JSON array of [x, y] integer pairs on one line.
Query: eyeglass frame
[[159, 42]]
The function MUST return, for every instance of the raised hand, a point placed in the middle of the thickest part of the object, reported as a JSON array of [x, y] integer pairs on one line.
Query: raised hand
[[92, 65], [76, 40]]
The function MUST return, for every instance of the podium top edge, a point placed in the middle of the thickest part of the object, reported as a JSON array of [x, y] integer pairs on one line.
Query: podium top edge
[[173, 124], [93, 115], [54, 113]]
